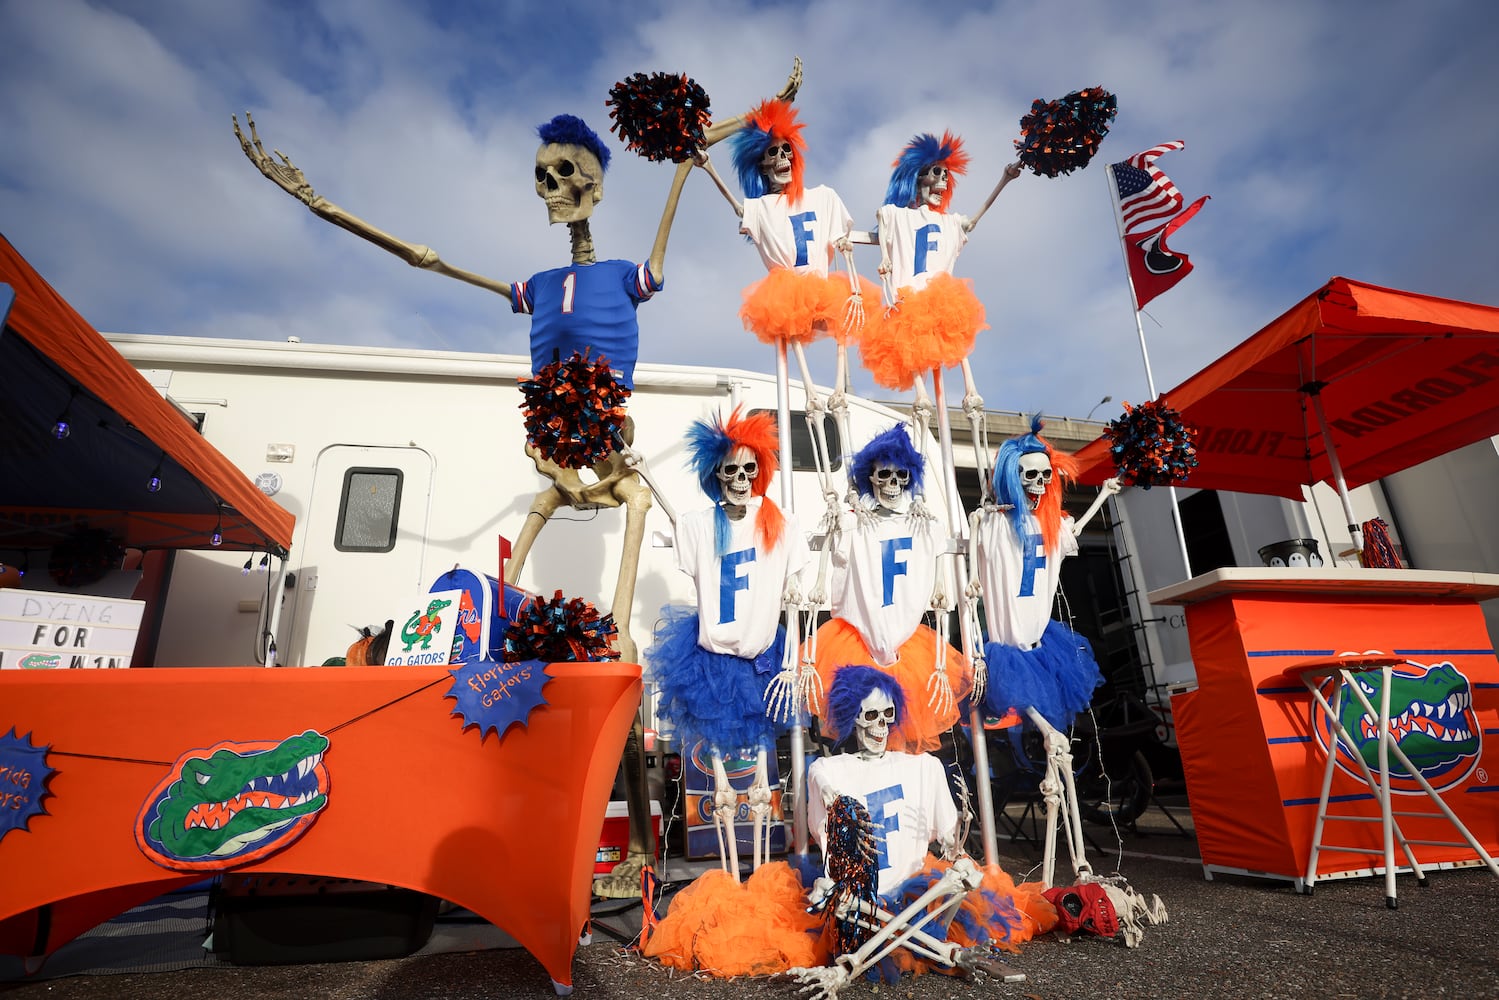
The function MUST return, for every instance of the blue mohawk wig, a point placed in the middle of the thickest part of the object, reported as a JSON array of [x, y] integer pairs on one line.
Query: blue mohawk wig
[[571, 130], [921, 152], [1007, 486], [851, 685], [892, 447]]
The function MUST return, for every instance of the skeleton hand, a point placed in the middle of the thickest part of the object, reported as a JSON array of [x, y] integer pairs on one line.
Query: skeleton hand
[[700, 156], [822, 982], [822, 888], [1112, 485], [980, 675], [285, 174], [940, 694], [853, 314], [782, 695], [794, 83]]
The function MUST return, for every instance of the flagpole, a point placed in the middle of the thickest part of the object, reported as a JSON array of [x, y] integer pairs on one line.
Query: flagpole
[[1181, 537]]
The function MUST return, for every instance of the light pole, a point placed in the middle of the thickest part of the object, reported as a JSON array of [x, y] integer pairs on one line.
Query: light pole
[[1096, 405]]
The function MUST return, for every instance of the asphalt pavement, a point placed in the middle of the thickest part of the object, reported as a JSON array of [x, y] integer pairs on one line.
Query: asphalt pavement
[[1232, 937]]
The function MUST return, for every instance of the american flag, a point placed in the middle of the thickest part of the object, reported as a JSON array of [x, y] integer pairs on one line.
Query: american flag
[[1145, 194]]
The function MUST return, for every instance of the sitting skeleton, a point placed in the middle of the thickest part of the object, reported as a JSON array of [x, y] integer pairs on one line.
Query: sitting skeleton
[[909, 807], [712, 661]]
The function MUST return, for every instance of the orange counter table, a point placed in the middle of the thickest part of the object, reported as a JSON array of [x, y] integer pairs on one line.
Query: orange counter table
[[1254, 751], [506, 825]]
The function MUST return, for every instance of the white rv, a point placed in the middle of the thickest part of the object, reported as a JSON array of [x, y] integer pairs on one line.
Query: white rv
[[316, 426]]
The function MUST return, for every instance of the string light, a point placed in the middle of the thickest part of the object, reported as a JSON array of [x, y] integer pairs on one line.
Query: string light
[[217, 538], [62, 428], [246, 570], [153, 485]]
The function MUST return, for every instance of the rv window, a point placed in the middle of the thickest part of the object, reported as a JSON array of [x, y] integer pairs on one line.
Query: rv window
[[802, 455], [367, 510]]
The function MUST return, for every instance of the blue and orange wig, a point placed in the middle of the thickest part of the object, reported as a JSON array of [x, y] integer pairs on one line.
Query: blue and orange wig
[[851, 686], [709, 444], [1008, 488], [892, 447], [926, 150], [573, 131], [771, 122]]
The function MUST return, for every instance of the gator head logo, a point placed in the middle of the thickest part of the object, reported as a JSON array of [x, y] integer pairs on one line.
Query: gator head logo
[[234, 804], [1431, 716]]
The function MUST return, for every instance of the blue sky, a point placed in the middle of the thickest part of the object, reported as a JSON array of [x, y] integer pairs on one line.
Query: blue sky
[[1334, 138]]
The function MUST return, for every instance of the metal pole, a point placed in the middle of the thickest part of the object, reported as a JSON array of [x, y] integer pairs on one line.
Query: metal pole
[[1176, 513], [957, 538], [1338, 481], [793, 630]]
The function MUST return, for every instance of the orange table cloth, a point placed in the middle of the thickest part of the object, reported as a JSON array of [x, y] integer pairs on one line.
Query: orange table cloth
[[506, 826], [1253, 750]]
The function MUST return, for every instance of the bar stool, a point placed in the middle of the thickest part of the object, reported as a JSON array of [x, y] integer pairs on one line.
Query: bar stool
[[1311, 673]]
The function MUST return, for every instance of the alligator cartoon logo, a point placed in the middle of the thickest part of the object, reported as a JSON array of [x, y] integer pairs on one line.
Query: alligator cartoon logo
[[41, 661], [234, 803], [422, 627], [1431, 716]]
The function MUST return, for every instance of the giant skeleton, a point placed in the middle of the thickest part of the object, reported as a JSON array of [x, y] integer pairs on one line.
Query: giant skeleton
[[569, 176]]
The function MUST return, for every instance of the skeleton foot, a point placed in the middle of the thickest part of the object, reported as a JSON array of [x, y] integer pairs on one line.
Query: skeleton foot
[[624, 881], [983, 963]]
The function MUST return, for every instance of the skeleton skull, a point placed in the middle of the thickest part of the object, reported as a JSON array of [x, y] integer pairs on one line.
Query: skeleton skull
[[889, 484], [775, 165], [736, 476], [570, 180], [931, 185], [1035, 474], [872, 726]]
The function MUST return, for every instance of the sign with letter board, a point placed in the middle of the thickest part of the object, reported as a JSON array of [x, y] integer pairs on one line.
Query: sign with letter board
[[44, 630]]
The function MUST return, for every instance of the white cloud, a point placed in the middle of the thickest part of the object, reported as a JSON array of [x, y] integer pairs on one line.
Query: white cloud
[[1331, 143]]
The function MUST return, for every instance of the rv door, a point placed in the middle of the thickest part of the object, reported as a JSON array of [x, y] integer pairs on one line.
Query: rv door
[[361, 557]]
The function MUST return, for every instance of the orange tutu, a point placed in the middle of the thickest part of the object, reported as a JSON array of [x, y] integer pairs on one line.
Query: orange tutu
[[726, 928], [931, 328], [789, 305], [920, 728]]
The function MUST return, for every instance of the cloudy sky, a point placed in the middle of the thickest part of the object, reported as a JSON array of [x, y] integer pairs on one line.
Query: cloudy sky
[[1334, 138]]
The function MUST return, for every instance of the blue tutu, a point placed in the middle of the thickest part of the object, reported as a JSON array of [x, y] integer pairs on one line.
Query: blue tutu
[[717, 697], [1056, 678]]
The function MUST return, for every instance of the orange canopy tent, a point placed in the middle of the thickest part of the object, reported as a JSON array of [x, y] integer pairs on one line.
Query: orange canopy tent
[[122, 433], [1355, 382]]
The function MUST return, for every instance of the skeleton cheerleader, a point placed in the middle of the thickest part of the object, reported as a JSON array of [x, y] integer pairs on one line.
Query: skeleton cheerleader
[[931, 318], [884, 578], [1034, 660], [796, 229], [713, 662]]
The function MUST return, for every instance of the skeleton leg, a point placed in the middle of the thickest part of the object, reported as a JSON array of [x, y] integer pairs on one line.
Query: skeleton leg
[[725, 805], [543, 506], [637, 502], [624, 881], [896, 930], [1061, 803], [759, 806], [973, 408]]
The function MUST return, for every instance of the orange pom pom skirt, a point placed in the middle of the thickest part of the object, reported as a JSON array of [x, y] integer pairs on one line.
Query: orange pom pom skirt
[[920, 729], [934, 327], [787, 306]]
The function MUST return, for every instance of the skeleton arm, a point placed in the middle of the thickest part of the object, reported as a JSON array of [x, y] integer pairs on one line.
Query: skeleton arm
[[289, 178], [1011, 172], [1110, 487], [657, 261], [702, 160]]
